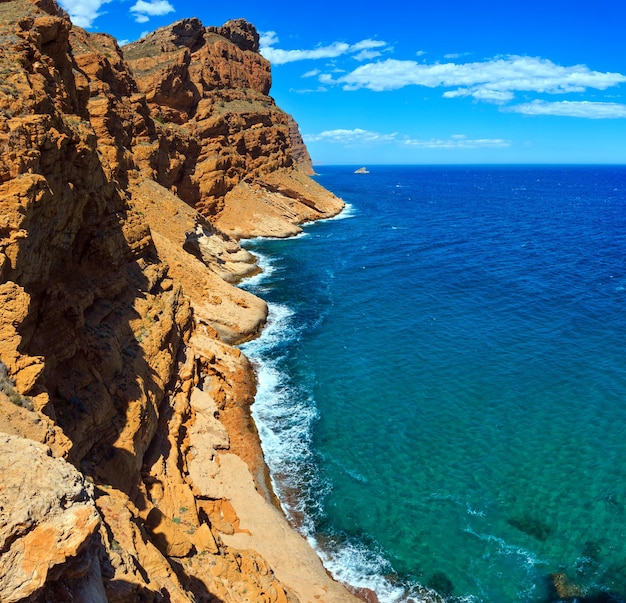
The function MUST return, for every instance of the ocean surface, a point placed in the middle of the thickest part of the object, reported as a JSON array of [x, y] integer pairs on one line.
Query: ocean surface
[[442, 382]]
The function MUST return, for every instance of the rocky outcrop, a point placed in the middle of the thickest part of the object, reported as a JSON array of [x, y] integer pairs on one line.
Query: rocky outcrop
[[49, 525], [299, 152], [122, 400], [207, 88]]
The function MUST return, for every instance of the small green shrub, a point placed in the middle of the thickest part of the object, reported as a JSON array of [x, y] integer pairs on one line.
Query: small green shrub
[[8, 387]]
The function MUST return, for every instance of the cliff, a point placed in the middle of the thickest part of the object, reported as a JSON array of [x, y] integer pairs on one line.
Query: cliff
[[131, 469], [227, 149]]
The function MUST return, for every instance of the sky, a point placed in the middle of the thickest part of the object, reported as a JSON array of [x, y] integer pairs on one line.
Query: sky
[[439, 82]]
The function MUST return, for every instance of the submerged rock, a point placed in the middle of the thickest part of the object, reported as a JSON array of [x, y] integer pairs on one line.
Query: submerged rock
[[440, 582], [564, 587], [531, 526]]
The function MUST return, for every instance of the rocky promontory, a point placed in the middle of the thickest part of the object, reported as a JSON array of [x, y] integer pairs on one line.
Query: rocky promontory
[[130, 466]]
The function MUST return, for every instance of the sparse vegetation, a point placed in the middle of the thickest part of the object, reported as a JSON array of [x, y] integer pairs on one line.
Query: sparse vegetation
[[8, 387]]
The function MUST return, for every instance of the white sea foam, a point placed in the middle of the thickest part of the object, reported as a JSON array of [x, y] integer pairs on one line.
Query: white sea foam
[[266, 265], [475, 512], [284, 413], [356, 565], [244, 242], [504, 548], [347, 212], [362, 568]]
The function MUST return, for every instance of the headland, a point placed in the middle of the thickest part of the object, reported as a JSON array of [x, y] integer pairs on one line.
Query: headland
[[131, 467]]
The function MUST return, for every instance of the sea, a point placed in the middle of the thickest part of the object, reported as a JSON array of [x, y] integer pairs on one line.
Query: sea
[[442, 381]]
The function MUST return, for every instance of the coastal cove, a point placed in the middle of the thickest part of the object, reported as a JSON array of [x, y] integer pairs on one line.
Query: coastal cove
[[441, 381]]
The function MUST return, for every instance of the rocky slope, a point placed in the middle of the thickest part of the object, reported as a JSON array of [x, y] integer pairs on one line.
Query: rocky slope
[[209, 87], [130, 467]]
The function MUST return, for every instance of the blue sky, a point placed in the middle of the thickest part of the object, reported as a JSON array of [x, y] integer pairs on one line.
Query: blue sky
[[423, 82]]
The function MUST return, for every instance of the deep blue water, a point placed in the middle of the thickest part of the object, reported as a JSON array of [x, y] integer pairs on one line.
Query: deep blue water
[[442, 385]]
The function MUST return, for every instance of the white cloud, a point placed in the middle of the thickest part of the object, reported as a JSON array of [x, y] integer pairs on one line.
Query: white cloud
[[326, 78], [356, 136], [143, 10], [268, 38], [83, 12], [308, 90], [311, 73], [456, 55], [359, 137], [367, 55], [590, 110], [495, 80], [368, 44], [278, 56], [483, 94], [457, 141]]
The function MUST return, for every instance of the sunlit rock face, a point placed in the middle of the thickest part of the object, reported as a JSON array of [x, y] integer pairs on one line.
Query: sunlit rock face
[[123, 178]]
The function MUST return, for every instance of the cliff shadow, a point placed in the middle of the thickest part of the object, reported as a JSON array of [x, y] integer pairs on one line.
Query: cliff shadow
[[93, 323]]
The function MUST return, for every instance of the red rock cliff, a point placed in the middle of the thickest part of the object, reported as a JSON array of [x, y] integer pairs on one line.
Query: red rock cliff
[[122, 401], [222, 133]]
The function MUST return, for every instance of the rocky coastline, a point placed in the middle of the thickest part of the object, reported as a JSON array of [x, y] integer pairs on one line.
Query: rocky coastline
[[131, 468]]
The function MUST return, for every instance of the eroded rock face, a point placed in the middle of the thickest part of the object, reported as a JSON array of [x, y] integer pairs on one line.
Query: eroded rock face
[[299, 152], [48, 525], [208, 88], [120, 189]]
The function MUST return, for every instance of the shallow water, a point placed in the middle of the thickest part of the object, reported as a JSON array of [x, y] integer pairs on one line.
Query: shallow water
[[442, 386]]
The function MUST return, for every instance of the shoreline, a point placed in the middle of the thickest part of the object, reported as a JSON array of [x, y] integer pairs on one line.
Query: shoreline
[[121, 314], [231, 467], [381, 589], [266, 526], [266, 518]]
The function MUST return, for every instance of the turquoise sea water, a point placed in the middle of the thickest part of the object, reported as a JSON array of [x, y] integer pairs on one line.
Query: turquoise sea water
[[442, 384]]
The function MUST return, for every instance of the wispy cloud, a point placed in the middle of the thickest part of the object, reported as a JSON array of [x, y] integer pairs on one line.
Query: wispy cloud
[[367, 55], [587, 109], [363, 50], [356, 136], [308, 90], [368, 44], [457, 141], [143, 10], [83, 12], [455, 55], [496, 80]]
